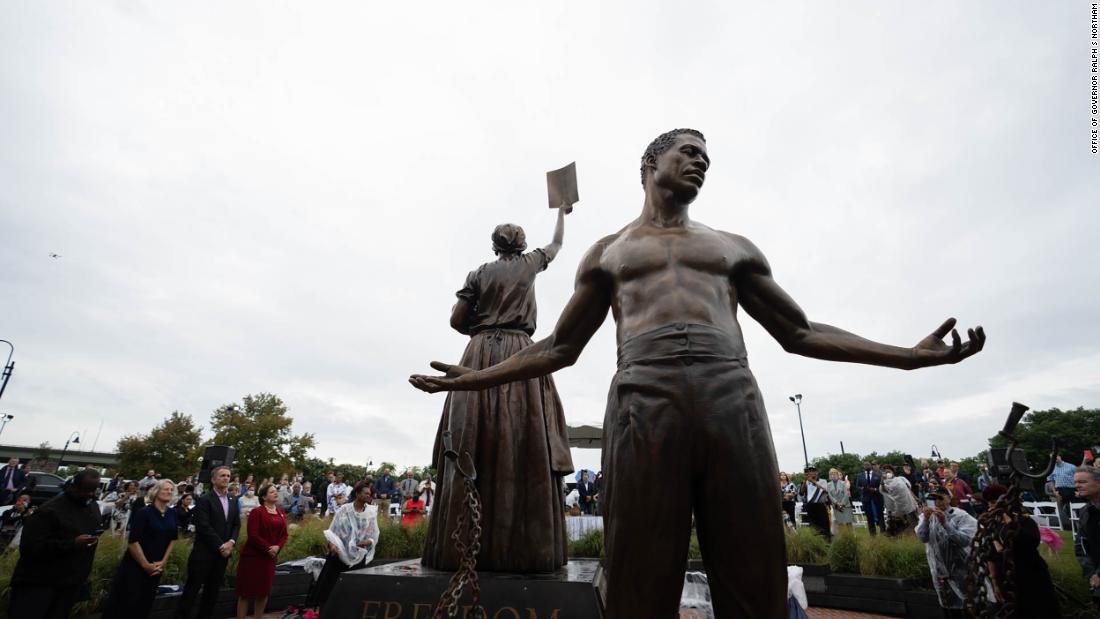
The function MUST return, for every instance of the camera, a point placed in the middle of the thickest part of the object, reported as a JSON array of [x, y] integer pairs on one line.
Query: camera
[[1001, 471]]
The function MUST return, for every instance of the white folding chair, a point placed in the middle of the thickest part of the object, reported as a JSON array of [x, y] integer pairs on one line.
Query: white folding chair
[[1046, 514], [859, 518], [1073, 519], [803, 517]]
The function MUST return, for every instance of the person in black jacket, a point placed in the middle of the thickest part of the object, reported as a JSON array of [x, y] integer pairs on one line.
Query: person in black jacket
[[869, 484], [183, 508], [1035, 597], [586, 494], [56, 552], [1086, 481], [12, 480], [217, 523]]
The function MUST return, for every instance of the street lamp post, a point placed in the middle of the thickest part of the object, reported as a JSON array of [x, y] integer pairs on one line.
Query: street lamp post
[[9, 367], [73, 438], [4, 419], [797, 399]]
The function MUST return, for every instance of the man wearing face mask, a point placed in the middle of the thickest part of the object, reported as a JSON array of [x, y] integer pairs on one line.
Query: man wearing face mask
[[56, 552]]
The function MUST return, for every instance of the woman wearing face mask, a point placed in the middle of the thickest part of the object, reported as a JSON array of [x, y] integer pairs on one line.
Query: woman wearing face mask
[[247, 502], [842, 500]]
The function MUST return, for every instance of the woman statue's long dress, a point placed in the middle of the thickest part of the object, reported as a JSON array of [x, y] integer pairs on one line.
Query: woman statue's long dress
[[516, 433]]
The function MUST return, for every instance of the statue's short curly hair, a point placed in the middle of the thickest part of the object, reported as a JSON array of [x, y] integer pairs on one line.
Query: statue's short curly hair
[[662, 143], [509, 239]]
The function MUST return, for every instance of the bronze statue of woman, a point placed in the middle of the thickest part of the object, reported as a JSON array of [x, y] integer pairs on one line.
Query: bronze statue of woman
[[515, 432]]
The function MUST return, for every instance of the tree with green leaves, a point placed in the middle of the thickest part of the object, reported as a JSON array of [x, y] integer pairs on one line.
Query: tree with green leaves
[[1075, 431], [314, 470], [849, 463], [172, 449], [41, 458], [259, 430]]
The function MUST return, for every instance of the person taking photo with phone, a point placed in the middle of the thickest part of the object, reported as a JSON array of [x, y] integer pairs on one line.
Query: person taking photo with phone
[[946, 533], [56, 552]]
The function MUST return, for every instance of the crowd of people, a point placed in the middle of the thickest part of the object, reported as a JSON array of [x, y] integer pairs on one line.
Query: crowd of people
[[57, 541], [890, 496], [935, 502], [941, 506], [583, 499]]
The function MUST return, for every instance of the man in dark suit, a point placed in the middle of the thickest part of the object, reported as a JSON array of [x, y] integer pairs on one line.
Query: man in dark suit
[[869, 484], [12, 479], [586, 494], [217, 523]]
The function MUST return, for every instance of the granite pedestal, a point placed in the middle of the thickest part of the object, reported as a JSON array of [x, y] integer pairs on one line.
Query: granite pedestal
[[408, 590]]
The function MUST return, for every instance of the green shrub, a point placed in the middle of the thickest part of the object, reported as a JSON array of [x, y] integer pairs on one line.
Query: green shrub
[[908, 560], [874, 556], [306, 539], [896, 557], [844, 553], [398, 542], [1066, 574], [108, 553], [590, 545], [806, 546], [416, 536], [7, 566]]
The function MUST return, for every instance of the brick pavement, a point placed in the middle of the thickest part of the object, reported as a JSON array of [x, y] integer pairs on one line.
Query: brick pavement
[[814, 613], [829, 613]]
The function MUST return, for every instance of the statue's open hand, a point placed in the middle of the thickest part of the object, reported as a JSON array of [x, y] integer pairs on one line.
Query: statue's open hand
[[932, 350], [435, 384]]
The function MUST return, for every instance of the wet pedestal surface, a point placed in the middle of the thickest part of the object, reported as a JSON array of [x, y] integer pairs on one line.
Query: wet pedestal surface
[[408, 590]]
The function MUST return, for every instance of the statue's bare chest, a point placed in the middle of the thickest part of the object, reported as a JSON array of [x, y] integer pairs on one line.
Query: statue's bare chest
[[643, 255]]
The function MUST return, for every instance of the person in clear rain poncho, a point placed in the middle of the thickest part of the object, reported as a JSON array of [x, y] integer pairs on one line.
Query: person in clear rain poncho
[[946, 533], [899, 502]]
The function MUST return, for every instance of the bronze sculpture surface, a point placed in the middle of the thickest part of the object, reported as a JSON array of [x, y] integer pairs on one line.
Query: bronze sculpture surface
[[684, 406], [515, 432]]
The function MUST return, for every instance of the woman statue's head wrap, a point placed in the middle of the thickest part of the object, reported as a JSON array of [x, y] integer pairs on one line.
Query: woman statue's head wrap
[[509, 239]]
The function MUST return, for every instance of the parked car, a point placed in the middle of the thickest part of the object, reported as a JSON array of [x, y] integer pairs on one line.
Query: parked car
[[42, 486]]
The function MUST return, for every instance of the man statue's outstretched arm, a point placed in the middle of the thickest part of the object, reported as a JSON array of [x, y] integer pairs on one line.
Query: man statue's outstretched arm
[[582, 316], [778, 313]]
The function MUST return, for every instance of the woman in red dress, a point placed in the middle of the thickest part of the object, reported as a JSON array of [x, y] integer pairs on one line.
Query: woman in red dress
[[413, 512], [256, 569]]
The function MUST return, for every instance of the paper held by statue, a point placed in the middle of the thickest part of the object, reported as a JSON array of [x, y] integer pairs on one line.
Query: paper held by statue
[[561, 186]]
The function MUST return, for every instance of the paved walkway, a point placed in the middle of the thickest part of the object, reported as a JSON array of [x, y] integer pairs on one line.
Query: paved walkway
[[814, 613], [829, 613]]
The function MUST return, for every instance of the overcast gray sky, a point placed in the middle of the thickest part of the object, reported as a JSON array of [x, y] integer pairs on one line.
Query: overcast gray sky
[[281, 197]]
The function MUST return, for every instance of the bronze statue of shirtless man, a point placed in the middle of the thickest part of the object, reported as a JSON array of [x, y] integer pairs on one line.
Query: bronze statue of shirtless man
[[683, 406]]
